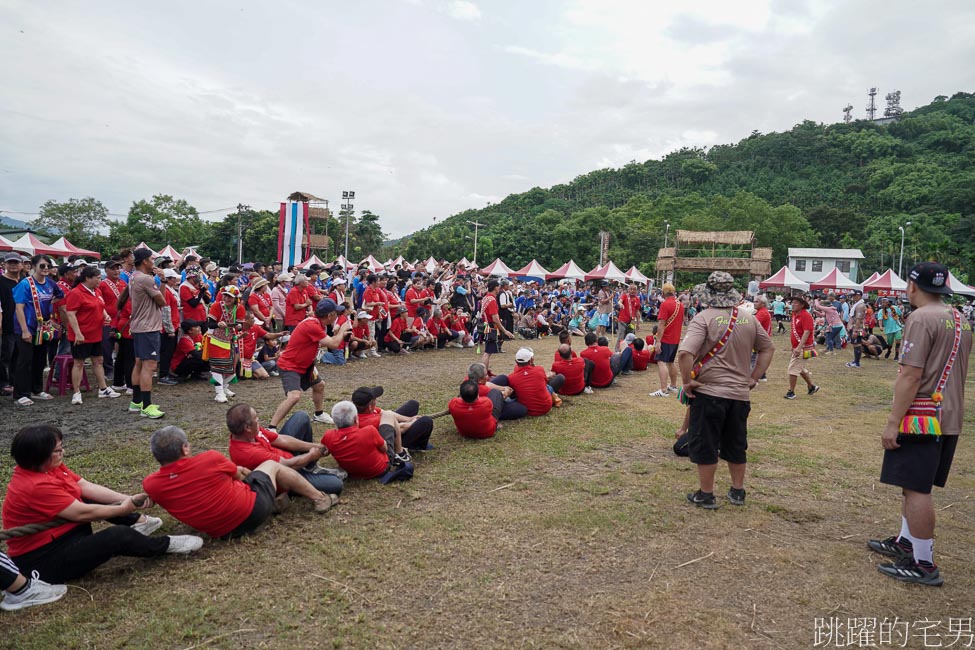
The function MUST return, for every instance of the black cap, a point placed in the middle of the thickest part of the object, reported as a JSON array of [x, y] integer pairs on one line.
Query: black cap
[[141, 254], [930, 277], [326, 306], [363, 395], [493, 284]]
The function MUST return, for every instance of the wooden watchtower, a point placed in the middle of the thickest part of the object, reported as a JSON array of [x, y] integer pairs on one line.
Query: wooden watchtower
[[733, 251]]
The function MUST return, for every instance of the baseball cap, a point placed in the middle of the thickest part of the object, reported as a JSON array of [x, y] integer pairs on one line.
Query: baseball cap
[[930, 277], [524, 355], [326, 306], [65, 268], [111, 264], [163, 259], [13, 257], [364, 314], [364, 394], [79, 263], [630, 338], [285, 277], [141, 254], [211, 267], [170, 273]]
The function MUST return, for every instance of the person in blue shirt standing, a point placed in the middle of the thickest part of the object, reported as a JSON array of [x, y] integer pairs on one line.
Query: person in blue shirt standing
[[33, 299], [778, 313], [890, 317]]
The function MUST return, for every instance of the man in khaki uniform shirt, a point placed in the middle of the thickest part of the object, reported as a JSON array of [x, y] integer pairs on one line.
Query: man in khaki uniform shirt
[[917, 462], [719, 391]]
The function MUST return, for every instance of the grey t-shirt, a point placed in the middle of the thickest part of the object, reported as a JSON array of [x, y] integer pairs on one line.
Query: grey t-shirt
[[146, 314]]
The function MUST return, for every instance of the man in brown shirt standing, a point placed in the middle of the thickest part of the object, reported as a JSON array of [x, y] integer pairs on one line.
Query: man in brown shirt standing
[[933, 366], [715, 365], [146, 323]]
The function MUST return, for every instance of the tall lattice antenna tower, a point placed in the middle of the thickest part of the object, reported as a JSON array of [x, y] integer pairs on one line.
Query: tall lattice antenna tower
[[893, 104], [872, 106], [847, 116]]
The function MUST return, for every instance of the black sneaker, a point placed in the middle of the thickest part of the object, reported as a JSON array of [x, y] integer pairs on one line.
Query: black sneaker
[[813, 390], [736, 496], [702, 500], [790, 395], [907, 570], [402, 458], [891, 548]]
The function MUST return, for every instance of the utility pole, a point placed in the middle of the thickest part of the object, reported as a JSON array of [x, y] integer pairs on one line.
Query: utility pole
[[347, 208], [900, 263], [476, 226], [241, 208]]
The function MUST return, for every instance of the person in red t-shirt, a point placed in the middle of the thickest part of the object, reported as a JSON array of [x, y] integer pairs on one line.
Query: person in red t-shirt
[[473, 415], [628, 315], [415, 297], [641, 355], [297, 363], [361, 344], [532, 386], [110, 289], [374, 303], [671, 319], [249, 338], [576, 371], [412, 430], [259, 302], [188, 357], [251, 444], [401, 334], [86, 317], [365, 452], [764, 318], [606, 365], [210, 493], [194, 295], [492, 329], [803, 346], [298, 303], [42, 489]]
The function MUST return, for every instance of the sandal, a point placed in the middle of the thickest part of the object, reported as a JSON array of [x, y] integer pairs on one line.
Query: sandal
[[25, 401], [6, 391]]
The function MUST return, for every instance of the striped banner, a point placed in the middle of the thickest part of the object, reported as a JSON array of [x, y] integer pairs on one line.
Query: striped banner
[[292, 233]]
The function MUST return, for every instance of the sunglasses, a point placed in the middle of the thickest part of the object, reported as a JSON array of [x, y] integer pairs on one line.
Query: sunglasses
[[43, 266]]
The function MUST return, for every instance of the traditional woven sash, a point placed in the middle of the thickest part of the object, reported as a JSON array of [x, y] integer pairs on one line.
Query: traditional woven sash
[[46, 330], [923, 417], [713, 352]]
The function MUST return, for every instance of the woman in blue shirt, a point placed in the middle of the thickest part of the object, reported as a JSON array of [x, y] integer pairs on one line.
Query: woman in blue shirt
[[32, 353]]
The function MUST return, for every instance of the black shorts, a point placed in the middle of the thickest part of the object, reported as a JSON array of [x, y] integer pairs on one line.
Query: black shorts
[[389, 435], [779, 318], [918, 465], [492, 342], [291, 380], [146, 345], [718, 429], [668, 352], [86, 349], [261, 484]]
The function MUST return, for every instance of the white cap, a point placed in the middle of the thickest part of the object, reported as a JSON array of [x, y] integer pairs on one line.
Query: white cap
[[364, 314], [524, 355], [285, 277], [170, 273]]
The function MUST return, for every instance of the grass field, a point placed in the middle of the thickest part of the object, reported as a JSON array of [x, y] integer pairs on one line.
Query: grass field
[[566, 531]]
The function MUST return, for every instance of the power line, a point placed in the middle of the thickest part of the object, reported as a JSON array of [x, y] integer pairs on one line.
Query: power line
[[114, 214]]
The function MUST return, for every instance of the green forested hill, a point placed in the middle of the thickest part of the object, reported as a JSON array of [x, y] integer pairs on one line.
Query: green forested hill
[[837, 185]]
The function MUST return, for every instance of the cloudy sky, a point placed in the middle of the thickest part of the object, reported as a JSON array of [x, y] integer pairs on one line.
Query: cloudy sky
[[428, 107]]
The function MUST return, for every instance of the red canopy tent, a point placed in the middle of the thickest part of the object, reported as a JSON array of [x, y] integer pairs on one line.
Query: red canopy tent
[[958, 286], [834, 280], [373, 264], [570, 270], [532, 269], [5, 244], [171, 253], [75, 250], [311, 260], [886, 283], [142, 244], [33, 246], [784, 279], [498, 268], [608, 272], [634, 275]]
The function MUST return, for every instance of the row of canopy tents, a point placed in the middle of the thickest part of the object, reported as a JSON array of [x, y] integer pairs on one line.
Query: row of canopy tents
[[29, 244], [887, 282], [568, 271]]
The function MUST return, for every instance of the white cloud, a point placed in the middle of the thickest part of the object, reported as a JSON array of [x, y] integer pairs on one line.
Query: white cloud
[[463, 10]]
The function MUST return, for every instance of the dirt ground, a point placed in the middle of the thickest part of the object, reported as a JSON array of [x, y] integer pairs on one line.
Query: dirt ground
[[566, 531]]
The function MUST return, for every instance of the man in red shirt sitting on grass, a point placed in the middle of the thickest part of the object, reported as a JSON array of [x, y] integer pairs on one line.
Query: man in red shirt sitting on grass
[[210, 493], [576, 371], [606, 364], [364, 451], [476, 416], [534, 387]]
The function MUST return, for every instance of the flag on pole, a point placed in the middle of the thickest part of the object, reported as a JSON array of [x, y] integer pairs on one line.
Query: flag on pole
[[291, 233]]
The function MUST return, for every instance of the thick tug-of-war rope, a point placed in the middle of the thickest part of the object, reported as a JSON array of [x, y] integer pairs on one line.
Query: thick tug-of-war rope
[[30, 529]]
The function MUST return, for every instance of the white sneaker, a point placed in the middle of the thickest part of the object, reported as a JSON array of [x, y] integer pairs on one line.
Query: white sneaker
[[659, 393], [42, 396], [76, 398], [147, 527], [470, 344], [129, 391], [229, 393], [184, 543], [673, 389], [587, 390], [108, 392], [373, 353], [37, 592], [221, 398], [323, 418]]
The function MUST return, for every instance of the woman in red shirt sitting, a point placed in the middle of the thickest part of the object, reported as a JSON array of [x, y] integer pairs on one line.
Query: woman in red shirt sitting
[[43, 489]]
